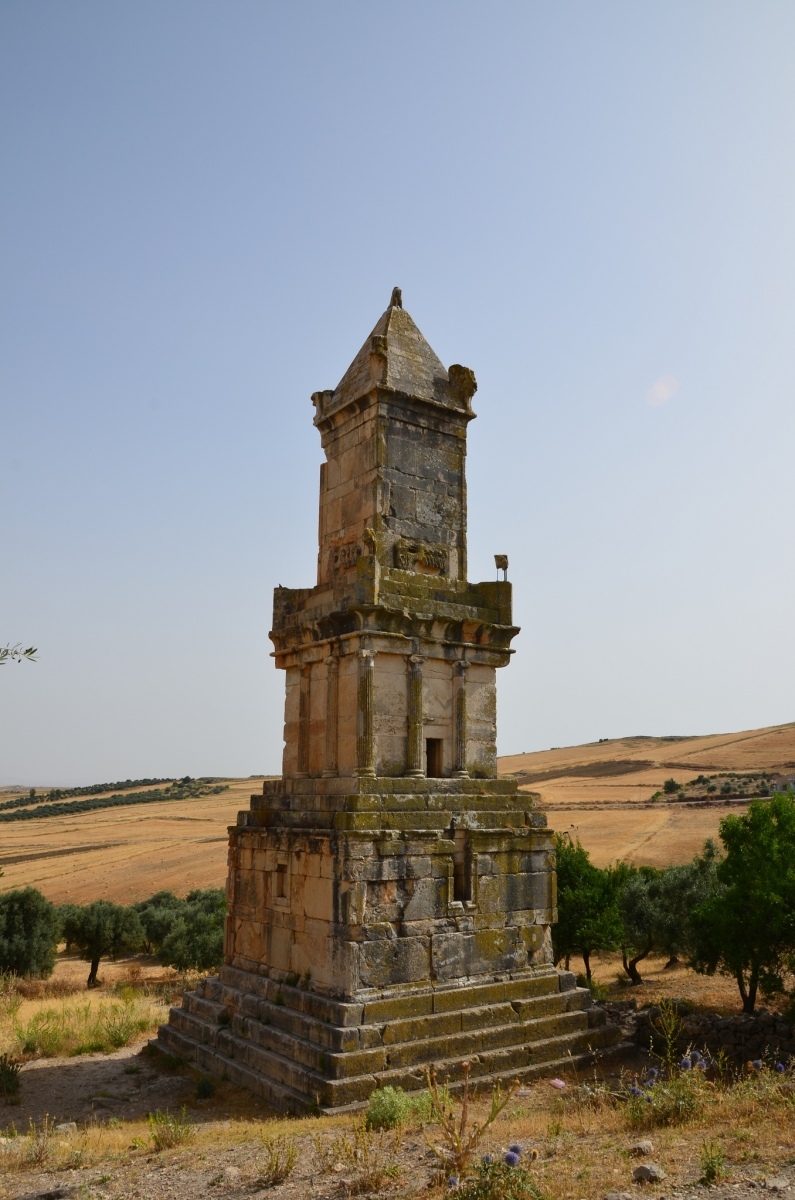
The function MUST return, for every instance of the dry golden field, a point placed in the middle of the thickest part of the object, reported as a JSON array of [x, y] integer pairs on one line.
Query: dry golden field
[[125, 854], [599, 792]]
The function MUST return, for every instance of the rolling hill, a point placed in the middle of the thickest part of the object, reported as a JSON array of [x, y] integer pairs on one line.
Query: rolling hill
[[601, 793]]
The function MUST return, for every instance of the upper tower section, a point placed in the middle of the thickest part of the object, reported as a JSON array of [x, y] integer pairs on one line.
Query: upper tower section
[[393, 487]]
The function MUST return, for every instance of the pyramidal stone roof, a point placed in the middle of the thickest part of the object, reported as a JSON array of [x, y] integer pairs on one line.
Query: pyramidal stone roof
[[411, 365]]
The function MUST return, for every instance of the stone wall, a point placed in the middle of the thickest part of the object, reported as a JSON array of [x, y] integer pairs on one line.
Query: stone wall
[[437, 901], [741, 1037]]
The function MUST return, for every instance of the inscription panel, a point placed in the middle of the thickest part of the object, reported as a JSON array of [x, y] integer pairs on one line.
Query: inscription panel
[[345, 556]]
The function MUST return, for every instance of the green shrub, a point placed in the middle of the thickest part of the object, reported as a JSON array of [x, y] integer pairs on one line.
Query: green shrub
[[670, 787], [496, 1180], [599, 991], [195, 940], [668, 1102], [712, 1161], [389, 1107], [205, 1087], [9, 1079], [167, 1129], [28, 933]]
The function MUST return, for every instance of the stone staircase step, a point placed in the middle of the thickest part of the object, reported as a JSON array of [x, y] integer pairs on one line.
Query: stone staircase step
[[210, 1010], [301, 1083]]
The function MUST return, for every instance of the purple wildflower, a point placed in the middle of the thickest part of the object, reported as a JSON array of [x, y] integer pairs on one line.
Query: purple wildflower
[[515, 1150], [452, 1182], [635, 1090], [695, 1058], [487, 1159], [653, 1072], [780, 1067], [757, 1064], [685, 1064], [511, 1159]]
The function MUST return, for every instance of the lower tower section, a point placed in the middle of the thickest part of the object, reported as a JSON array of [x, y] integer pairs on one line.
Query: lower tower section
[[380, 926]]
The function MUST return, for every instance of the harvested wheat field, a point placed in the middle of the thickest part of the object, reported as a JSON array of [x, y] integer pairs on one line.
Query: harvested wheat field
[[603, 792], [125, 854]]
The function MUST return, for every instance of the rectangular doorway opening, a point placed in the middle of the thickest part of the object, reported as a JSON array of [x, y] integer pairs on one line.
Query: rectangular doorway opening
[[281, 881], [433, 758]]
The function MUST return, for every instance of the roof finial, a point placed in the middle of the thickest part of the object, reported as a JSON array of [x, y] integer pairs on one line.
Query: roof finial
[[397, 298]]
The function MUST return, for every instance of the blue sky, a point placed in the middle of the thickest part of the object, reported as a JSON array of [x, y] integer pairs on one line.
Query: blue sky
[[205, 208]]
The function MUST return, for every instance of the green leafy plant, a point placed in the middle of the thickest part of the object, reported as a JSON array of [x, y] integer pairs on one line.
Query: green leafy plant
[[588, 916], [16, 653], [9, 1078], [712, 1161], [388, 1108], [599, 991], [668, 1102], [167, 1129], [498, 1179], [28, 933], [668, 1028], [746, 930], [101, 930], [205, 1087]]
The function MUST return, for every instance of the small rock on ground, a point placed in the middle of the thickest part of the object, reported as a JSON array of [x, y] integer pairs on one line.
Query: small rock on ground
[[642, 1148], [648, 1173]]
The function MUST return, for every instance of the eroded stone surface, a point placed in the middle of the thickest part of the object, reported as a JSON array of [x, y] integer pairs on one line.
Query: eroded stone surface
[[390, 899]]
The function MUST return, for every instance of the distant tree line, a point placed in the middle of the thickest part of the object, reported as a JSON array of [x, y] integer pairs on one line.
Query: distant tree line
[[33, 807], [185, 933], [731, 909]]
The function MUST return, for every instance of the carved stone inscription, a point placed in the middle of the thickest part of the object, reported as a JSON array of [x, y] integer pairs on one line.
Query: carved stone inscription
[[420, 556], [345, 556]]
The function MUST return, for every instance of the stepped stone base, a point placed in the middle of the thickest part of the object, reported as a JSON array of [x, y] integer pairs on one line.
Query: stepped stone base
[[302, 1052]]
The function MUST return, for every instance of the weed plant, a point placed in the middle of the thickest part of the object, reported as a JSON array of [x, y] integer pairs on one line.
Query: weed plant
[[9, 1078], [280, 1157], [712, 1161], [458, 1135], [31, 1150], [500, 1179], [368, 1156], [205, 1087], [390, 1108], [85, 1028], [167, 1129]]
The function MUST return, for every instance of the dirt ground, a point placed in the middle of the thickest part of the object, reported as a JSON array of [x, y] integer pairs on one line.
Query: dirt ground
[[584, 1153]]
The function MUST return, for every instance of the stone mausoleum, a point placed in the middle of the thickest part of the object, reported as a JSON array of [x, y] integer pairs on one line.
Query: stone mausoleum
[[390, 899]]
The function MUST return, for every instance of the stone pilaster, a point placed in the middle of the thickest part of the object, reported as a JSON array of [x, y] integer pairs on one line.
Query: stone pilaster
[[303, 721], [365, 731], [332, 699], [414, 755], [460, 719]]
